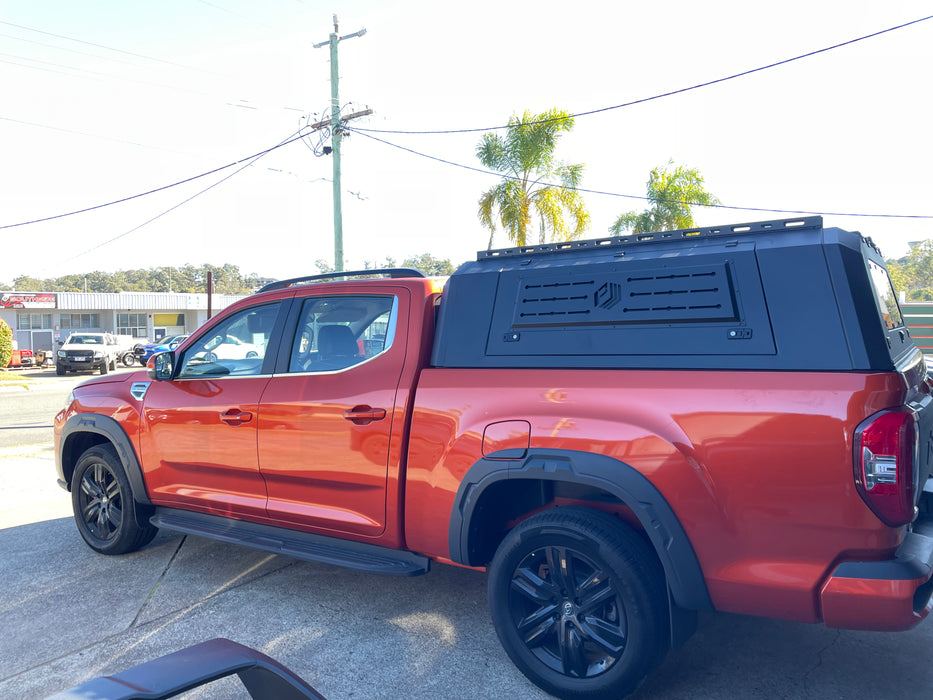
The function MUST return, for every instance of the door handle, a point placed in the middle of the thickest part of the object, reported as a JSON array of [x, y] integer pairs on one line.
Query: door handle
[[364, 415], [235, 416]]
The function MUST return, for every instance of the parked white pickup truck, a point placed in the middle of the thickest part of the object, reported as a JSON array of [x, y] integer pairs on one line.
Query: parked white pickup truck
[[87, 351]]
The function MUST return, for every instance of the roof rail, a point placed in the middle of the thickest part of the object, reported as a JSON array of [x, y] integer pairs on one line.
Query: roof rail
[[802, 222], [392, 272]]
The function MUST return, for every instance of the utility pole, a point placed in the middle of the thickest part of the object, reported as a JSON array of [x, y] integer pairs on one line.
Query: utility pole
[[335, 130]]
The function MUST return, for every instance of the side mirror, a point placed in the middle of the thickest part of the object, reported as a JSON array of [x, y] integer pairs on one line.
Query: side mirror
[[161, 367]]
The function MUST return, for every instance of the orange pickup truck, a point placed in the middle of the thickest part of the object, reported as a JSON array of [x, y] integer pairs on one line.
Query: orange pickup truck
[[621, 431]]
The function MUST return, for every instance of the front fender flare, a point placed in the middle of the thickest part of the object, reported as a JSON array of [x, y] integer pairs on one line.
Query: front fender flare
[[110, 429], [667, 535]]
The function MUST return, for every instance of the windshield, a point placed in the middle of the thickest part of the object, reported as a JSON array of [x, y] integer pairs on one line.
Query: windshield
[[86, 340]]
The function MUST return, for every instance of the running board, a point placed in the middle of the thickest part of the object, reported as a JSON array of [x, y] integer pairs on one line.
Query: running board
[[294, 543]]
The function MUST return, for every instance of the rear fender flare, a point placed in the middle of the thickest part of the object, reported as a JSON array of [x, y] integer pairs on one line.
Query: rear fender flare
[[667, 535]]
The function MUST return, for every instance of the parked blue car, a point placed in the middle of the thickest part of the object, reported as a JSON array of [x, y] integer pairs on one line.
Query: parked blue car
[[144, 352]]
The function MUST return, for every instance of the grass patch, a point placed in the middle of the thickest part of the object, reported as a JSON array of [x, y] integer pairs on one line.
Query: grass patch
[[8, 378]]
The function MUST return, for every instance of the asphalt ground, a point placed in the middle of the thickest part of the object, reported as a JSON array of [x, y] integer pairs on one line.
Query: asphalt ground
[[68, 615]]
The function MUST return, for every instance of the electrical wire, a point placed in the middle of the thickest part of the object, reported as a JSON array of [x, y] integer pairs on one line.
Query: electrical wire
[[93, 136], [102, 46], [251, 160], [660, 96], [639, 197], [295, 137]]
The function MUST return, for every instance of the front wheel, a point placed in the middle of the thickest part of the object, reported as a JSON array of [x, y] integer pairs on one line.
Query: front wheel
[[104, 367], [103, 504], [578, 601]]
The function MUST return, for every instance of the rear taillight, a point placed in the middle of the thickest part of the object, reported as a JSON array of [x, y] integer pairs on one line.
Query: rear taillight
[[885, 460]]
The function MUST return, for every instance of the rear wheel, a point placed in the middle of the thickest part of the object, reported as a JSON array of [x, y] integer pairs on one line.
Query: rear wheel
[[103, 504], [578, 601]]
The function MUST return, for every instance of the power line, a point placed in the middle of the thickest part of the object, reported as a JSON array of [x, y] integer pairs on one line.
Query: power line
[[296, 137], [670, 93], [85, 73], [94, 136], [97, 75], [102, 46], [62, 48], [251, 160], [633, 196]]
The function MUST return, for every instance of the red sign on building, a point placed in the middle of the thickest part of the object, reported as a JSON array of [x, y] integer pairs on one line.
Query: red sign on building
[[27, 301]]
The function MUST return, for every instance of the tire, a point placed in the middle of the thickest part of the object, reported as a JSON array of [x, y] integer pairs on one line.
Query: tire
[[128, 359], [113, 364], [252, 355], [103, 504], [104, 368], [579, 602], [60, 371]]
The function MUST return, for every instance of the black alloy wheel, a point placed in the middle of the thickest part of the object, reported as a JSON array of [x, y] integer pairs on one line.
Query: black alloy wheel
[[578, 601], [103, 504]]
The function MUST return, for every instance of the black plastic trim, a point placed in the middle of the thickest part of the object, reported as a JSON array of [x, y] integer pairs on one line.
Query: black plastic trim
[[294, 543], [109, 428], [681, 566], [167, 676], [913, 560]]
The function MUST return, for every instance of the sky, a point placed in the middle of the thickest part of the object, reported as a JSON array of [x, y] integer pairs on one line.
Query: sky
[[107, 100]]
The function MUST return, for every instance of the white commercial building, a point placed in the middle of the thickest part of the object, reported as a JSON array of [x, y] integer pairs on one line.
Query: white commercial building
[[42, 319]]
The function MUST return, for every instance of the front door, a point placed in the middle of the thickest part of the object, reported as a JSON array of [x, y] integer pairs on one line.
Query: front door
[[198, 432], [325, 425]]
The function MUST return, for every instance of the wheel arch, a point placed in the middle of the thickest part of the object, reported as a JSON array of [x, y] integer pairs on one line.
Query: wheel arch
[[85, 430], [495, 491]]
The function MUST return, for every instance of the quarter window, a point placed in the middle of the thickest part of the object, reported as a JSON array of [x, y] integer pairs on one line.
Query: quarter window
[[887, 299]]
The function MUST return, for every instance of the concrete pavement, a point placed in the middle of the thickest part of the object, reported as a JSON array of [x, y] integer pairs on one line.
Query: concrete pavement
[[68, 615]]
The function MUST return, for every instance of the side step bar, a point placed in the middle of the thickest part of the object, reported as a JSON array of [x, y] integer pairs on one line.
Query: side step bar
[[294, 543]]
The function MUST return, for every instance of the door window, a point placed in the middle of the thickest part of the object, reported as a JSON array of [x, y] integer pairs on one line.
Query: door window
[[236, 346], [335, 333]]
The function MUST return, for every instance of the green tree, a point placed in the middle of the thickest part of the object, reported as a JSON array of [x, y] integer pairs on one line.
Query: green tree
[[534, 184], [670, 192], [323, 267], [913, 274], [429, 265], [6, 343], [29, 284]]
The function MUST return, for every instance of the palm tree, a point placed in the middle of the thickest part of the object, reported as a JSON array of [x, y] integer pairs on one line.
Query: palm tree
[[670, 195], [533, 184]]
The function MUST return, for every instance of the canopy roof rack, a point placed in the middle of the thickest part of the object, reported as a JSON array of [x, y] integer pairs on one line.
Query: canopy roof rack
[[804, 222], [391, 272]]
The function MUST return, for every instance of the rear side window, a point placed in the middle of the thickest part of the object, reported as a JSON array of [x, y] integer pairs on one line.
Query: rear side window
[[884, 293], [341, 331]]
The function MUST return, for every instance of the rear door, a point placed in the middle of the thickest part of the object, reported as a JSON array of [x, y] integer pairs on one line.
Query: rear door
[[327, 416]]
